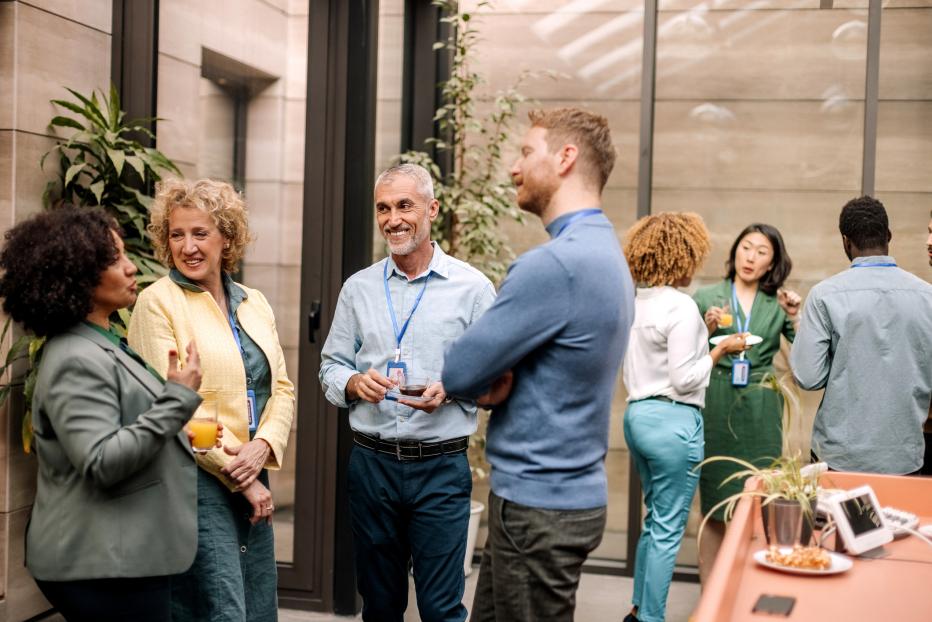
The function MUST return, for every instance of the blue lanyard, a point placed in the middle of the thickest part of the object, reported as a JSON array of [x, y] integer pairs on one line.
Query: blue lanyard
[[399, 335], [577, 216], [735, 307], [873, 265]]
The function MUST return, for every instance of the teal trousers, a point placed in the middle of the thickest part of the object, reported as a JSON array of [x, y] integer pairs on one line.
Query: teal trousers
[[666, 442]]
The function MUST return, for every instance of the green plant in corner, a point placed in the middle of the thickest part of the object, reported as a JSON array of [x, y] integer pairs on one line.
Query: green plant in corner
[[475, 196], [101, 164]]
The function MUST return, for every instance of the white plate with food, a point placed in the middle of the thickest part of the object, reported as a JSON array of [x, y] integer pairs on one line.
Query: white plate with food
[[752, 340], [810, 560]]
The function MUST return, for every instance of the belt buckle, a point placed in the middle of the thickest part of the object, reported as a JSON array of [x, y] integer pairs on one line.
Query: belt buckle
[[398, 452]]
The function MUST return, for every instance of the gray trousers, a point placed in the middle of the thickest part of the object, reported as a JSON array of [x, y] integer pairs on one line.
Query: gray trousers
[[532, 562]]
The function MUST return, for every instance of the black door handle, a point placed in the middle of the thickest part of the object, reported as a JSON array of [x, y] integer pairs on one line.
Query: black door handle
[[313, 321]]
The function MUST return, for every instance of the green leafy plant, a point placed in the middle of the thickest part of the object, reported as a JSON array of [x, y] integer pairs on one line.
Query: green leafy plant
[[101, 164], [784, 478], [476, 196]]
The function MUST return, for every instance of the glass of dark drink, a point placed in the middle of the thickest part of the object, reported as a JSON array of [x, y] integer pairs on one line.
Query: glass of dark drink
[[414, 386]]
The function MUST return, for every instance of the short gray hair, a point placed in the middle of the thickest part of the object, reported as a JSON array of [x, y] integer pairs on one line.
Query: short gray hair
[[420, 175]]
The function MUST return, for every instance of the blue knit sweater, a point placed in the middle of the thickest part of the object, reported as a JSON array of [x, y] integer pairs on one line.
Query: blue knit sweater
[[561, 322]]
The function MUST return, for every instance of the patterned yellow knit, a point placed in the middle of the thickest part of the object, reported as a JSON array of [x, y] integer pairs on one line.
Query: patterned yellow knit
[[167, 317]]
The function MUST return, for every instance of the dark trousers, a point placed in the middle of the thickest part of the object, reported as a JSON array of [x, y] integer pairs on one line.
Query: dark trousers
[[418, 511], [146, 599], [532, 562]]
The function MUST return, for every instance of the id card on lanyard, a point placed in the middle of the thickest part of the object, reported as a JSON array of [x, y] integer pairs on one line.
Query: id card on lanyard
[[740, 367], [251, 415], [397, 370]]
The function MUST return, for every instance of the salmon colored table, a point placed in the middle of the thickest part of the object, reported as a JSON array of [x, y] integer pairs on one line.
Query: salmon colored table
[[896, 588]]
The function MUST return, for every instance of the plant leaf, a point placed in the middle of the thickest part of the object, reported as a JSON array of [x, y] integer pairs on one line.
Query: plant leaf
[[66, 122], [73, 170], [117, 157], [137, 163], [98, 189]]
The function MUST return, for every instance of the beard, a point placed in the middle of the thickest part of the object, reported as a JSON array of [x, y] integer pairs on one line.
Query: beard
[[410, 244], [534, 195]]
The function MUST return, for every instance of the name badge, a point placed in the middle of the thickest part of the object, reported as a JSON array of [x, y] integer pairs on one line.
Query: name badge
[[397, 372], [251, 410], [740, 372]]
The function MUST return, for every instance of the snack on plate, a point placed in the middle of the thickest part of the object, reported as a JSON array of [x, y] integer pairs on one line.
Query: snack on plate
[[808, 558]]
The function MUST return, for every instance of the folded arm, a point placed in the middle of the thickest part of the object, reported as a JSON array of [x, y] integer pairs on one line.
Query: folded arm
[[526, 314]]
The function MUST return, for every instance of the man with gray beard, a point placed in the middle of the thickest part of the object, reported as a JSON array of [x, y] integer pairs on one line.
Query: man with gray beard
[[409, 481]]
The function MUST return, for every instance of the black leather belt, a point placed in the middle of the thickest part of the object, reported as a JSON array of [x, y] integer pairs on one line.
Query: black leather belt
[[406, 451]]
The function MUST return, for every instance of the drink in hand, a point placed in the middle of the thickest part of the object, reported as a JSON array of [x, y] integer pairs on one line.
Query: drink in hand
[[726, 320], [205, 434], [204, 424], [414, 387]]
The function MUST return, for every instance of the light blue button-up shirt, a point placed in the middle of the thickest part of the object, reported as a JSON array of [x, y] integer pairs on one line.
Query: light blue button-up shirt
[[362, 337], [866, 337]]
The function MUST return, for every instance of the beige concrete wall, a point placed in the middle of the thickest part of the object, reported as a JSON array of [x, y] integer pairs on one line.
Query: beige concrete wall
[[44, 46]]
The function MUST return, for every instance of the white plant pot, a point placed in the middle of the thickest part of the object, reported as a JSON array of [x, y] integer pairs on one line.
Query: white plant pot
[[475, 513]]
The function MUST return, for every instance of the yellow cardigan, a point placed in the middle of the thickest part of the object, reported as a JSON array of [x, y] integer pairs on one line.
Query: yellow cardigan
[[167, 316]]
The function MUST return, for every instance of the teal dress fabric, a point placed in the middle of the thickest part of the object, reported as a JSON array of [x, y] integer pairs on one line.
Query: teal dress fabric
[[742, 422], [234, 577]]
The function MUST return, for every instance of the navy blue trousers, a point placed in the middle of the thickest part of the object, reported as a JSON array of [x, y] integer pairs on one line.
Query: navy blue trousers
[[416, 511]]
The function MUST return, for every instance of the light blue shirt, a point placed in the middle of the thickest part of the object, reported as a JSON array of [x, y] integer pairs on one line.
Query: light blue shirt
[[362, 337], [866, 337]]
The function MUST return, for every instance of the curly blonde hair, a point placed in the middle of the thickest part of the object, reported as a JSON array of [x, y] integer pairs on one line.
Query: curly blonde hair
[[665, 248], [218, 199]]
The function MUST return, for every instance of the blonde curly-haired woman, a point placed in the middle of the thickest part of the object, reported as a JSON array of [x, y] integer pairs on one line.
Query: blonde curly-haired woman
[[199, 230]]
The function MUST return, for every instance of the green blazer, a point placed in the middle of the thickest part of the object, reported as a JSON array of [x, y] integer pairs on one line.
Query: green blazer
[[117, 483]]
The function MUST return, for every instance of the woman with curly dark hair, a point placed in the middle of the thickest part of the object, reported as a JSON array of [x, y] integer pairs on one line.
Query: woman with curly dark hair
[[743, 419], [115, 513]]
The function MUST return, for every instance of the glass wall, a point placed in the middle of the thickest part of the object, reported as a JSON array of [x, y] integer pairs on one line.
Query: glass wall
[[760, 118], [584, 53], [904, 129]]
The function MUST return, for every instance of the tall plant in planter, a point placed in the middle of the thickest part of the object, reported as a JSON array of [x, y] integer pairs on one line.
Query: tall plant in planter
[[101, 164], [475, 196]]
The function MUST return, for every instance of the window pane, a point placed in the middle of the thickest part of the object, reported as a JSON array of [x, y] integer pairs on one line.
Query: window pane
[[595, 48], [904, 130], [208, 77], [759, 118]]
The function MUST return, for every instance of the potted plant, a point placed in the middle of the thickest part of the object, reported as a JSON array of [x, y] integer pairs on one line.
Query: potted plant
[[788, 492]]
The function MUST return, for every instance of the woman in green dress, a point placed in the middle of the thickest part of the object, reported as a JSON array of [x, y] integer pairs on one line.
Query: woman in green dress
[[742, 417]]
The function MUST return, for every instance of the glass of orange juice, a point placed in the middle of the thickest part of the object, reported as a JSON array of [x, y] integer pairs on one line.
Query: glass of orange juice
[[726, 319], [204, 424]]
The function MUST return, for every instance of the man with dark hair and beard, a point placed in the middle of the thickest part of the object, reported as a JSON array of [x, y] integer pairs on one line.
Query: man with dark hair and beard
[[409, 481], [546, 356], [865, 337]]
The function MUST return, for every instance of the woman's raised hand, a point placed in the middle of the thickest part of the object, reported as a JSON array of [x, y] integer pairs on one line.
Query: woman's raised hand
[[190, 376], [790, 301]]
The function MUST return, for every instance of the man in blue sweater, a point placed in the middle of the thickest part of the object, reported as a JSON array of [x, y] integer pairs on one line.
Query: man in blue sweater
[[546, 355]]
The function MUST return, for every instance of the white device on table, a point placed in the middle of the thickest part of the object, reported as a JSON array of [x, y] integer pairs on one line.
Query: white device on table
[[901, 522], [859, 519]]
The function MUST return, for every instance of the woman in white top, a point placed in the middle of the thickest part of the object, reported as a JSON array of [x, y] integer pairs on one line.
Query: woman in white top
[[666, 372]]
